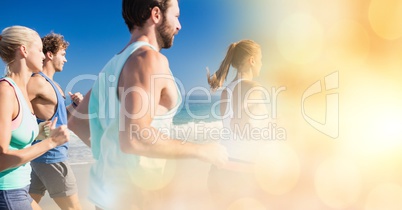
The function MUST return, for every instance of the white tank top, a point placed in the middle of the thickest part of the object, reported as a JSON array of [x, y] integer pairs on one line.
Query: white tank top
[[240, 149]]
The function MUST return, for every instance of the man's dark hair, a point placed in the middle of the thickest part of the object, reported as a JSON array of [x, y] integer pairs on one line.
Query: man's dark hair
[[137, 12]]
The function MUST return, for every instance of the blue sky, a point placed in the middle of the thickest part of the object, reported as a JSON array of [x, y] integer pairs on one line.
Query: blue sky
[[96, 31], [303, 42]]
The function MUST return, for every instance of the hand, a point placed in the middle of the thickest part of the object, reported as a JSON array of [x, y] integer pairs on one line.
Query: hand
[[44, 130], [76, 98], [214, 153], [59, 135]]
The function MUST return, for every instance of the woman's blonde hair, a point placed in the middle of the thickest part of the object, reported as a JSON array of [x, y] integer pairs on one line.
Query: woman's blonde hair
[[237, 54], [11, 38]]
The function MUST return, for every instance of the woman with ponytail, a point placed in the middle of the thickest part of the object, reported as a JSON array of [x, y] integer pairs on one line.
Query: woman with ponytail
[[21, 51], [239, 116]]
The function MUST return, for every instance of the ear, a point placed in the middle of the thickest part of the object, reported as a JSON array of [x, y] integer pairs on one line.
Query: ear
[[252, 60], [49, 55], [23, 51], [156, 14]]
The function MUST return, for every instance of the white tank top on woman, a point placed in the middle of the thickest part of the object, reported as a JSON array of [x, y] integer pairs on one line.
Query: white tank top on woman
[[240, 147]]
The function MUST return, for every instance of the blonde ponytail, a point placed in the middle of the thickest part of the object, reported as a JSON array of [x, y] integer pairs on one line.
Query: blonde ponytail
[[237, 55], [216, 80]]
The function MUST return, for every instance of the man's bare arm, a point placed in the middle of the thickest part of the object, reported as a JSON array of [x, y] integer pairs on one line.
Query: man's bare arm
[[137, 73], [78, 121], [36, 87], [76, 99]]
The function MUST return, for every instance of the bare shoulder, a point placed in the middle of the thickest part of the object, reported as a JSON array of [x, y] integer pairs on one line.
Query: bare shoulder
[[248, 84], [147, 59], [148, 53], [142, 64], [36, 81], [36, 86], [6, 90]]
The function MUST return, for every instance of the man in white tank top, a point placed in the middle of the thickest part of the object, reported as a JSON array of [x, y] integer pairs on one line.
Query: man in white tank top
[[141, 104]]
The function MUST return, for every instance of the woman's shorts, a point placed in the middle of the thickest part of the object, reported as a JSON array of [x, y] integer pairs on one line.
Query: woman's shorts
[[17, 199]]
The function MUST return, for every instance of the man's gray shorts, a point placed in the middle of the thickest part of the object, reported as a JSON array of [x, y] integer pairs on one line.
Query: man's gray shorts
[[57, 178]]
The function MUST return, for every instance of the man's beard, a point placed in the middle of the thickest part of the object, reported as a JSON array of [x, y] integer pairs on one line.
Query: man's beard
[[164, 38]]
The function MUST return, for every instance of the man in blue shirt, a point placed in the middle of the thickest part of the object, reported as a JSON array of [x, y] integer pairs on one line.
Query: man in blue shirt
[[51, 171]]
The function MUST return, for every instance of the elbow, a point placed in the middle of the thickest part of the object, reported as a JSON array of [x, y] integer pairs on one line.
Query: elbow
[[2, 166], [4, 162]]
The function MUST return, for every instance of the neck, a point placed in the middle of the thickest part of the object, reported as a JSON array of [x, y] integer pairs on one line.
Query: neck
[[246, 75], [20, 74], [144, 35], [48, 70]]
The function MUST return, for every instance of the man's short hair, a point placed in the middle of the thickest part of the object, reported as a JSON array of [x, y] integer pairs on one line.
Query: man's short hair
[[137, 12], [53, 43]]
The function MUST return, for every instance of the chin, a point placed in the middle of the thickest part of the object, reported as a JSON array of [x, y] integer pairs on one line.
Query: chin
[[169, 45]]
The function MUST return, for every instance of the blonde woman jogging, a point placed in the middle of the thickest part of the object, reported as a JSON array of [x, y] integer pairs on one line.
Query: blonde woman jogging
[[239, 114], [21, 51]]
